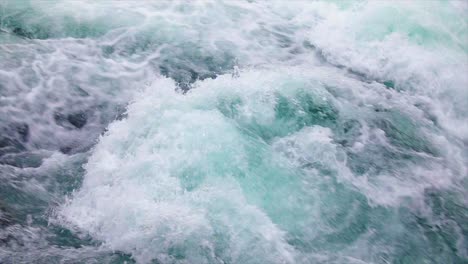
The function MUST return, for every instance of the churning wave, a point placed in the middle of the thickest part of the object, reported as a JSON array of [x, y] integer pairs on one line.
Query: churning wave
[[233, 132]]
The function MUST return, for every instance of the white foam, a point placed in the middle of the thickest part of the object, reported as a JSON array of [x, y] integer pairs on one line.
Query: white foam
[[175, 178], [168, 176], [133, 199]]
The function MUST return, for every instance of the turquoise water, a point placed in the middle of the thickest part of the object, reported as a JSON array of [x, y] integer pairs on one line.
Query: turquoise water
[[233, 132]]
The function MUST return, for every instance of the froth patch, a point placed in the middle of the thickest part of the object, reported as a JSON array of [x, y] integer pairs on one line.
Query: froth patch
[[251, 168]]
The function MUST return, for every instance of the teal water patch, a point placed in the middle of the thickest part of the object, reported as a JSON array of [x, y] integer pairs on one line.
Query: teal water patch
[[419, 24], [290, 112], [51, 19]]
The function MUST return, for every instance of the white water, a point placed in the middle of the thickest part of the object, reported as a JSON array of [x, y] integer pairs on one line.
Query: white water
[[331, 133]]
